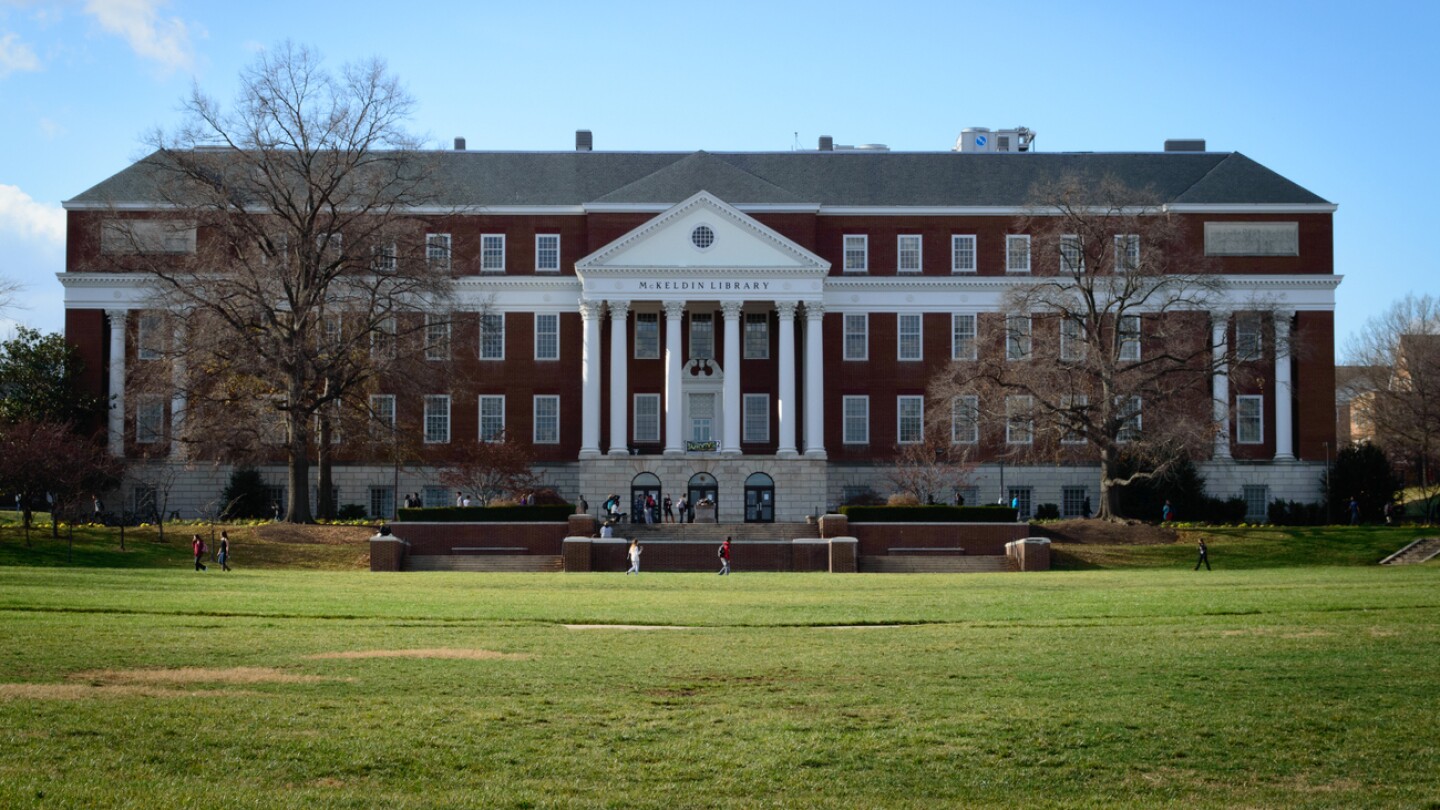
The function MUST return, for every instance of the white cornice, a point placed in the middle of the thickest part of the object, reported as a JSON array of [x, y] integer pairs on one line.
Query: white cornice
[[769, 208]]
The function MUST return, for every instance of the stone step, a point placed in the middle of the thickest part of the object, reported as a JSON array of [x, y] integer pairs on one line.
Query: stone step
[[934, 564], [718, 531], [485, 562], [1422, 550]]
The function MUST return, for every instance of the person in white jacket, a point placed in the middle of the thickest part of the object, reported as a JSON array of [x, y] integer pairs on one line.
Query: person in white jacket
[[634, 555]]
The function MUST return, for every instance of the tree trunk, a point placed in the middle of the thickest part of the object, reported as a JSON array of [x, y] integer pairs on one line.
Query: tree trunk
[[299, 481], [324, 503], [1109, 493]]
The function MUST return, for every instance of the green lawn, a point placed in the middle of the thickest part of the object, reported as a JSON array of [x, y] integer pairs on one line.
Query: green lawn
[[1254, 687]]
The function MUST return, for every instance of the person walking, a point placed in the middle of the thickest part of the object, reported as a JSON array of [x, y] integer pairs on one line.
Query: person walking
[[724, 553], [669, 509], [224, 556], [1167, 513], [1204, 556], [650, 509], [634, 555], [1354, 511], [198, 546]]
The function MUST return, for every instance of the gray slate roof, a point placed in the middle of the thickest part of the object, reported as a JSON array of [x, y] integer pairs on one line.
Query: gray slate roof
[[821, 178]]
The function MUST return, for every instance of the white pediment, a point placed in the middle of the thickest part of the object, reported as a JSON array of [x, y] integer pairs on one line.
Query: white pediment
[[707, 235]]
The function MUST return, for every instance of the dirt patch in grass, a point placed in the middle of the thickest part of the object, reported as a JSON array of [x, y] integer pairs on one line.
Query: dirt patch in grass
[[313, 535], [80, 691], [443, 652], [193, 675], [1107, 533], [628, 627]]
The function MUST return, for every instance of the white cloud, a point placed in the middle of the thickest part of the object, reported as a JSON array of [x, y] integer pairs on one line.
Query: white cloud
[[16, 56], [24, 217], [166, 41]]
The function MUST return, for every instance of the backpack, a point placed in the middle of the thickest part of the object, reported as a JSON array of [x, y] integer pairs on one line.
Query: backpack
[[720, 552]]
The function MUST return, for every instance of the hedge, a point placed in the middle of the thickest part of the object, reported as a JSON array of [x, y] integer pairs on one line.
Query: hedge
[[930, 514], [550, 513]]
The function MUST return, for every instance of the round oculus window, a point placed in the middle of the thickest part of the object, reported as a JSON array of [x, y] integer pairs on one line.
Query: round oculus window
[[702, 236]]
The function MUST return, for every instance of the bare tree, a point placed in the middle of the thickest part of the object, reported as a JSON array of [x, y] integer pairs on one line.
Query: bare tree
[[933, 470], [1105, 355], [1402, 405], [296, 265], [492, 468], [10, 290]]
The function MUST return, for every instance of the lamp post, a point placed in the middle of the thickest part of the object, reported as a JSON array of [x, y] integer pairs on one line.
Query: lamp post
[[1003, 499]]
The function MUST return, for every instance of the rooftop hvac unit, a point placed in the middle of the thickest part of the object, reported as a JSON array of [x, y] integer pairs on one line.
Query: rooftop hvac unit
[[982, 139]]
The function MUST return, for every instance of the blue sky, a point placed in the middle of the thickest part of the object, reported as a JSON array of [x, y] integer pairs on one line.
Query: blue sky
[[1340, 98]]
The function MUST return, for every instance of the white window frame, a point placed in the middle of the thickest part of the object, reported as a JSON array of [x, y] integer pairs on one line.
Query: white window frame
[[1132, 426], [702, 317], [863, 320], [1129, 337], [755, 418], [546, 317], [848, 419], [909, 243], [536, 436], [965, 419], [759, 348], [1127, 252], [1256, 420], [1068, 402], [384, 340], [857, 244], [437, 252], [149, 419], [1256, 495], [384, 257], [652, 401], [382, 412], [489, 263], [1072, 339], [482, 433], [433, 415], [1072, 501], [1249, 336], [539, 251], [918, 334], [147, 332], [437, 338], [962, 245], [640, 349], [1019, 345], [1072, 254], [1015, 405], [1014, 241], [913, 403], [500, 316], [959, 336]]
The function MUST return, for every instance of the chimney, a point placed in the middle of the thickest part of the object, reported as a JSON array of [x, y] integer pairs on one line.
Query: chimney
[[1185, 145], [584, 141], [459, 144], [827, 143]]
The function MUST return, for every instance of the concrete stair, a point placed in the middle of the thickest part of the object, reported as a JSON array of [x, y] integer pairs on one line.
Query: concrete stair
[[1422, 550], [524, 563], [934, 564], [717, 532]]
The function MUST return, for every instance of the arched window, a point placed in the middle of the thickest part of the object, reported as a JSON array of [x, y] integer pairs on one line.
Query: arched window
[[644, 488]]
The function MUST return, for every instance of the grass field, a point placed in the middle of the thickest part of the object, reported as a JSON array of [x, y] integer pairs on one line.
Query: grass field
[[1266, 684]]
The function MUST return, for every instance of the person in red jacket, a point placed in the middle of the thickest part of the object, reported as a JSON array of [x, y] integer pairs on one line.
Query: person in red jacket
[[724, 552], [198, 546]]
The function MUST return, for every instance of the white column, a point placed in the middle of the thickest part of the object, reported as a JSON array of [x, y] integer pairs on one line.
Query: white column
[[730, 440], [177, 396], [1284, 415], [117, 381], [674, 367], [814, 381], [619, 378], [1220, 382], [590, 314], [787, 379]]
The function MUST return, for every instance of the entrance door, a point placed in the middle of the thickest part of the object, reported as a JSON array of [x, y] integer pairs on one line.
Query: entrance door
[[702, 486], [759, 499], [642, 486]]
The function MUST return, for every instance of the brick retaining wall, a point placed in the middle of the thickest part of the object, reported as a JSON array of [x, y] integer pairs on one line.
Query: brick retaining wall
[[975, 538]]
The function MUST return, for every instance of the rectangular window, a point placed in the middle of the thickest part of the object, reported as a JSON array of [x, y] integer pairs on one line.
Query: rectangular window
[[1019, 420], [962, 254], [437, 337], [857, 419], [1250, 419], [147, 337], [383, 258], [547, 252], [147, 236], [437, 418], [382, 502], [492, 336], [1072, 340], [1130, 426], [1257, 502], [1072, 502], [857, 336], [437, 252], [756, 419], [1022, 497], [1127, 252], [702, 337], [1248, 339], [647, 418], [909, 338], [547, 336], [492, 253], [382, 415], [1017, 253], [907, 251], [437, 498], [276, 495], [757, 336], [909, 419], [332, 334], [702, 417], [547, 419], [382, 339], [492, 417], [967, 496], [1072, 255], [962, 336], [1073, 411], [1017, 337], [857, 253], [647, 336], [965, 419], [1130, 337], [149, 420]]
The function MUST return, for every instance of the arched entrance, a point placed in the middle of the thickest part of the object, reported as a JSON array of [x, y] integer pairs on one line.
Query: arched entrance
[[701, 486], [642, 485], [759, 498]]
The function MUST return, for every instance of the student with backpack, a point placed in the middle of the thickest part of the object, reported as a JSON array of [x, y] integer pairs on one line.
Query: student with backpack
[[724, 553]]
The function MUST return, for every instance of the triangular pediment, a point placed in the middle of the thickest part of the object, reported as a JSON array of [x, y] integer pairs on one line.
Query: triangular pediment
[[703, 233]]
